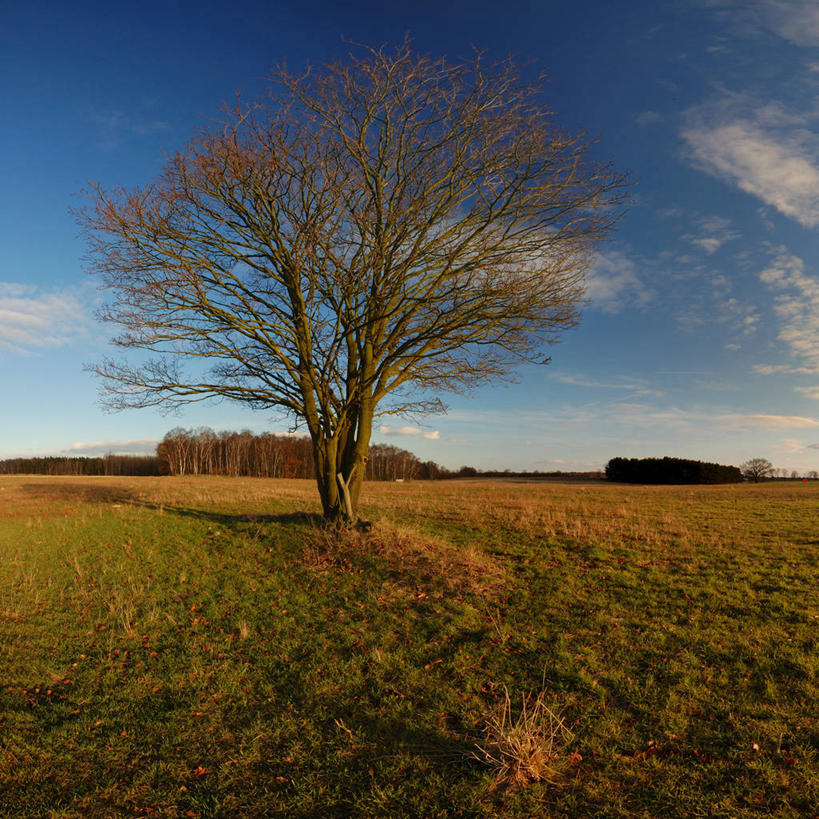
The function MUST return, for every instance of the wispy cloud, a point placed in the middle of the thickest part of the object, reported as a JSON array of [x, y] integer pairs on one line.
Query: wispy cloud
[[648, 118], [713, 233], [743, 317], [790, 446], [643, 414], [431, 435], [809, 392], [762, 148], [32, 319], [614, 284], [739, 420], [116, 125], [583, 381], [129, 447], [774, 369], [712, 303], [637, 387], [794, 20], [797, 306]]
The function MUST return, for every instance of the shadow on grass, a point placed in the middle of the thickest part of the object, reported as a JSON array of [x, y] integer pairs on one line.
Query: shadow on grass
[[93, 493], [362, 761], [78, 492]]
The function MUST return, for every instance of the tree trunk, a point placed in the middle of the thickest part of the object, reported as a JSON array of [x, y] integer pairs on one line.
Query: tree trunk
[[325, 457], [344, 454]]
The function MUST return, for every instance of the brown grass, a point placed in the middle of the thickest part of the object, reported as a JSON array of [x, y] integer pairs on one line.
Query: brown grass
[[525, 747], [433, 561]]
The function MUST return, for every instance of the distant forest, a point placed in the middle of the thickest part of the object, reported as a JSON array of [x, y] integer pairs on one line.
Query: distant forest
[[670, 470], [267, 455], [80, 465], [205, 452]]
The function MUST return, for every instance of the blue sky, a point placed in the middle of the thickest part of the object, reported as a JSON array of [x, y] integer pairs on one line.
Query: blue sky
[[701, 336]]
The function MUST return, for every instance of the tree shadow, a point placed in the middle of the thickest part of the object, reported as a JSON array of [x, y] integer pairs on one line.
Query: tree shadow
[[94, 493], [78, 492], [370, 741]]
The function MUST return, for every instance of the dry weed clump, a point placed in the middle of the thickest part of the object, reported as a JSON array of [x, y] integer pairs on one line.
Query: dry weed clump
[[525, 748], [402, 548]]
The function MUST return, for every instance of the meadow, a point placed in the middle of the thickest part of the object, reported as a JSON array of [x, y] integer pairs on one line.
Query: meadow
[[201, 647]]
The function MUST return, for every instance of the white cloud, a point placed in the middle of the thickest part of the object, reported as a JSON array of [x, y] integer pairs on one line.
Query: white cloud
[[582, 381], [613, 284], [797, 306], [715, 231], [741, 316], [637, 387], [708, 244], [772, 369], [762, 154], [698, 419], [810, 392], [131, 447], [648, 118], [794, 20], [115, 125], [790, 446], [431, 435], [767, 421], [32, 319]]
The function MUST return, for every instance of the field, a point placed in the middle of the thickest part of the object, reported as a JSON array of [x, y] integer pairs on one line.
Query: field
[[200, 647]]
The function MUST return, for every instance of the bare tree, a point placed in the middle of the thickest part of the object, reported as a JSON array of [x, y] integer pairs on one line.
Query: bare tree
[[369, 235], [757, 469]]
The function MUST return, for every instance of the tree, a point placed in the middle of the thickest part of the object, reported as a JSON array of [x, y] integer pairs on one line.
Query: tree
[[365, 237], [757, 469]]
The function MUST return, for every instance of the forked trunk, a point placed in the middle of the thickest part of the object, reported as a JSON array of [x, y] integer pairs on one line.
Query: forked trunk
[[339, 476]]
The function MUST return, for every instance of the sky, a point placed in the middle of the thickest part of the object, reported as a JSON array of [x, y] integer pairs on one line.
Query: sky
[[700, 336]]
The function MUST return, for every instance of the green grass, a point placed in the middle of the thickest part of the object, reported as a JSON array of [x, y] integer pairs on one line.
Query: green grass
[[193, 647]]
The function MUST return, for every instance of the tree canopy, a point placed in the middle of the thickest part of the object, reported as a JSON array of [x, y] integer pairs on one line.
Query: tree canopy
[[369, 235], [757, 469]]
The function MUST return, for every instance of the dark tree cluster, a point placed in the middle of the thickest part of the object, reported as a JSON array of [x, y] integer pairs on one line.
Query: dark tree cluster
[[106, 465], [670, 470]]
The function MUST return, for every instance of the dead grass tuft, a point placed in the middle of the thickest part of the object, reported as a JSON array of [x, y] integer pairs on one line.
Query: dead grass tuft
[[432, 560], [527, 747]]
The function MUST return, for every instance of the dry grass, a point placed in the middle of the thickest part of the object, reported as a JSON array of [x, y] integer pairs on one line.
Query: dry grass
[[527, 747], [403, 548], [193, 646]]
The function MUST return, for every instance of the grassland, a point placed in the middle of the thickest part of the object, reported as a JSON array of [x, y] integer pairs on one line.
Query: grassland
[[198, 647]]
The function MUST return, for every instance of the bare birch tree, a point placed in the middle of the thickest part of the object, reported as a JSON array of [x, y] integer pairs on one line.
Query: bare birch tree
[[367, 236]]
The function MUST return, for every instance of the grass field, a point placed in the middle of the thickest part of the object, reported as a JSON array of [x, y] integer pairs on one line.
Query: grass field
[[199, 647]]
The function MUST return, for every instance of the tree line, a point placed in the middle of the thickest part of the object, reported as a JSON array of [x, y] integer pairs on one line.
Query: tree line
[[269, 455], [205, 452], [82, 465]]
